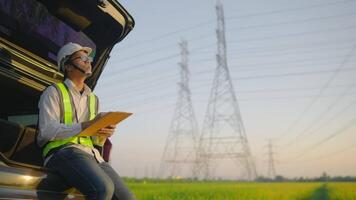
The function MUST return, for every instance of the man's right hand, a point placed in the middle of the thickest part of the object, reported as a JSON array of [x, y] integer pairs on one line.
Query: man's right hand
[[89, 123]]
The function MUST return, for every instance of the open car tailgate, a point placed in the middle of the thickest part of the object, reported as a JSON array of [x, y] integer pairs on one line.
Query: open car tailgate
[[32, 32]]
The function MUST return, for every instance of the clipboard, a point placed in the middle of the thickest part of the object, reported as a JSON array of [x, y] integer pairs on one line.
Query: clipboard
[[110, 118]]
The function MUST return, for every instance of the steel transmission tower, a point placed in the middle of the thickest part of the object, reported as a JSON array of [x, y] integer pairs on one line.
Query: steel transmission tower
[[223, 135], [271, 173], [180, 150]]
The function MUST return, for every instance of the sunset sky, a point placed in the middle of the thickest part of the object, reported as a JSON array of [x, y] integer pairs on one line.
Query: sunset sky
[[293, 66]]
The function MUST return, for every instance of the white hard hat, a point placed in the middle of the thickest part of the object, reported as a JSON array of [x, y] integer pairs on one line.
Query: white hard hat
[[67, 50]]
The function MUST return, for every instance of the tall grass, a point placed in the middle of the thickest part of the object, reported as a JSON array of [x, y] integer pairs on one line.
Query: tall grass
[[342, 191], [224, 191]]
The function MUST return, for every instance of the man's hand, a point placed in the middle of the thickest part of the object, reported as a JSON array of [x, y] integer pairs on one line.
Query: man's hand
[[89, 123], [103, 132], [107, 131]]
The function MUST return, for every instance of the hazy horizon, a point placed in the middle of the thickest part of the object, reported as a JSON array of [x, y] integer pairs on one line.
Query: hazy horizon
[[292, 66]]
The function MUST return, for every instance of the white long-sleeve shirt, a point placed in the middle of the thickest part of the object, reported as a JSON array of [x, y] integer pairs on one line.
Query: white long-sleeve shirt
[[50, 127]]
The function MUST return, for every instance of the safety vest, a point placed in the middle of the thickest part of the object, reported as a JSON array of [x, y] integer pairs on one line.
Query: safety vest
[[68, 116]]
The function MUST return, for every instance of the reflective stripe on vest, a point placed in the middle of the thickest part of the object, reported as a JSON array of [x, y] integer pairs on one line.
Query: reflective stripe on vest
[[68, 116]]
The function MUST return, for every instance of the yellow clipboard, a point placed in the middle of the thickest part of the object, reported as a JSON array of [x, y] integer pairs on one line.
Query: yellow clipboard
[[110, 118]]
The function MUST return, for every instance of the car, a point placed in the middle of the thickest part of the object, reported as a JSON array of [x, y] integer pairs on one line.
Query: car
[[31, 33]]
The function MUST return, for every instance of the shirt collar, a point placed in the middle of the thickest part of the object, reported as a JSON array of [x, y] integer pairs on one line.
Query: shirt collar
[[72, 87]]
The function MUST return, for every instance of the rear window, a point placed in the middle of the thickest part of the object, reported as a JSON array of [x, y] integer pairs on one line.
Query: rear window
[[28, 24]]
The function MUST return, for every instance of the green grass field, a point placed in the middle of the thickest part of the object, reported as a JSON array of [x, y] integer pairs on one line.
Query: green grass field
[[243, 191]]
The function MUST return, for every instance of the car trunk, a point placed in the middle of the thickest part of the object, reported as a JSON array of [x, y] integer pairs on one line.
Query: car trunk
[[32, 32]]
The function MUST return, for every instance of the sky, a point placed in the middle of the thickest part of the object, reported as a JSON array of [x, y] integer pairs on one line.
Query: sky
[[292, 64]]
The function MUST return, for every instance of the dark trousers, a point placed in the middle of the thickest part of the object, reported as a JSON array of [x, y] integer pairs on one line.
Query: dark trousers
[[96, 180]]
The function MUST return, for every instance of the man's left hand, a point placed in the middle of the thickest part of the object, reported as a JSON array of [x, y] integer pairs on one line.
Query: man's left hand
[[107, 131]]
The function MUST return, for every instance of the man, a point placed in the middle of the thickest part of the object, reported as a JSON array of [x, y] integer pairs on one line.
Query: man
[[65, 109]]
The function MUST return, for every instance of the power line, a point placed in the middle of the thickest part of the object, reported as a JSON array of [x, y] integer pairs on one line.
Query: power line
[[294, 34], [308, 107], [333, 153], [291, 74], [282, 36], [152, 85], [321, 115], [277, 24], [346, 108], [130, 68], [162, 107], [302, 60], [142, 83], [145, 64], [294, 21], [238, 79], [242, 78], [299, 53], [331, 136], [289, 97], [170, 94], [326, 156], [166, 96], [278, 48], [152, 51], [198, 25], [297, 65], [154, 39], [246, 67], [288, 10], [289, 89]]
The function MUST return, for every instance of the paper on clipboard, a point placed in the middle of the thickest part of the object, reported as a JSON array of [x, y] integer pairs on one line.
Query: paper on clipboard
[[110, 118]]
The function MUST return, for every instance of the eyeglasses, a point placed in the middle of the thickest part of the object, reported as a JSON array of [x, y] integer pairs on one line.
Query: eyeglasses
[[83, 58]]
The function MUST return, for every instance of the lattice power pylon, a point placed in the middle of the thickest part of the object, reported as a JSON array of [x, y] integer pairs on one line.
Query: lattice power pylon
[[180, 150], [271, 173], [223, 134]]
